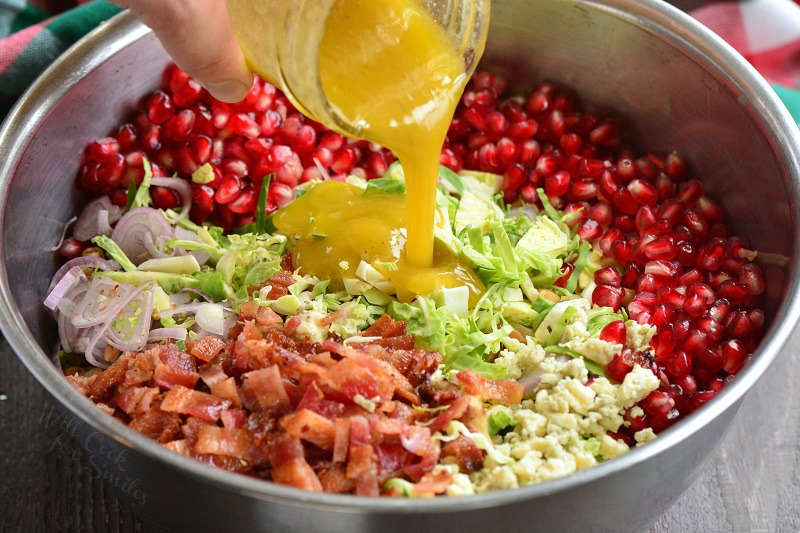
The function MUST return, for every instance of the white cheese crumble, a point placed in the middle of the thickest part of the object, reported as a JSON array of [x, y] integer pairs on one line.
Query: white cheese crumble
[[638, 336]]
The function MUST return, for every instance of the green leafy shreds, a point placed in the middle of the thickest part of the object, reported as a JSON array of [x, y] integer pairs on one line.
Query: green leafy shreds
[[591, 366], [142, 196], [450, 181], [261, 210], [114, 252], [499, 420], [214, 251], [211, 283], [580, 264], [320, 288], [551, 211], [131, 195], [400, 486], [461, 342], [385, 185], [181, 345], [600, 317]]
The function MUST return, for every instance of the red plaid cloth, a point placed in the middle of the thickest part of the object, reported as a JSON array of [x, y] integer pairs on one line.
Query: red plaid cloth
[[766, 32]]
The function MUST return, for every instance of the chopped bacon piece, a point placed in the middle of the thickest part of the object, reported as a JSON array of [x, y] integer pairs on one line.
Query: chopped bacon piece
[[388, 426], [289, 466], [141, 368], [234, 418], [310, 427], [385, 326], [180, 446], [227, 390], [279, 285], [286, 263], [175, 368], [359, 431], [314, 400], [417, 440], [468, 456], [221, 441], [136, 399], [100, 385], [433, 483], [191, 402], [341, 439], [361, 460], [212, 374], [157, 424], [266, 317], [499, 390], [206, 348], [455, 411], [391, 458], [248, 310], [291, 325], [268, 387], [334, 480], [401, 342]]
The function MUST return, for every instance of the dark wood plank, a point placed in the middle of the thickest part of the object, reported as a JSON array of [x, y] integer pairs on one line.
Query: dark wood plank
[[751, 483]]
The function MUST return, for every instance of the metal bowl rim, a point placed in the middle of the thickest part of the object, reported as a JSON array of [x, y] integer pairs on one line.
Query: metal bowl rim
[[661, 19]]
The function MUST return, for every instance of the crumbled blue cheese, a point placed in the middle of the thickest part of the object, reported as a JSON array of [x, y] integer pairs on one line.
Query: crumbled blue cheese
[[638, 383], [639, 335], [644, 436], [597, 350]]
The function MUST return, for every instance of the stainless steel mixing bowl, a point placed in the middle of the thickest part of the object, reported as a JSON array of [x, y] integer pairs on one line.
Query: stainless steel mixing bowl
[[678, 86]]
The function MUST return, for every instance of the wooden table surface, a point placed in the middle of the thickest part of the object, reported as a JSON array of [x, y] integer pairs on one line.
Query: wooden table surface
[[750, 484]]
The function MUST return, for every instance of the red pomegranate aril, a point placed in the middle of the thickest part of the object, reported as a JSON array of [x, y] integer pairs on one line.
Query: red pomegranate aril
[[733, 292], [611, 236], [686, 253], [571, 143], [674, 298], [614, 332], [608, 276], [646, 168], [638, 311], [527, 193], [71, 248], [734, 355], [607, 296], [591, 168], [645, 218], [228, 190], [660, 248], [664, 343], [672, 211], [159, 107], [538, 102], [674, 166], [555, 124], [710, 210], [643, 192], [496, 123], [752, 279], [695, 221], [164, 198], [690, 277], [566, 270], [660, 268], [179, 126], [331, 141], [127, 135], [621, 251], [618, 368], [601, 212], [581, 190], [604, 135], [625, 203], [290, 173], [578, 213], [244, 125], [488, 159], [269, 122], [690, 192], [220, 113], [280, 195], [696, 341], [546, 165], [529, 152], [738, 324], [647, 283], [186, 94], [245, 203], [344, 160], [680, 365], [557, 184], [664, 186], [102, 149], [506, 152], [376, 165], [630, 275], [590, 230], [658, 404], [474, 118], [711, 327], [711, 256], [661, 315], [151, 138]]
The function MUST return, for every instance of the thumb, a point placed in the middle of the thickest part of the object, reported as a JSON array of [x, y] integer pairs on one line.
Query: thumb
[[199, 37]]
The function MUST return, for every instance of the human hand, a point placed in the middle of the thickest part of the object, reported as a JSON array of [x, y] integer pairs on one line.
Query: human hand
[[199, 37]]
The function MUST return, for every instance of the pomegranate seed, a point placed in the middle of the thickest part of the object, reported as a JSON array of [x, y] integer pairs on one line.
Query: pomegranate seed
[[614, 332], [546, 165], [590, 230], [344, 160], [659, 268], [557, 184], [579, 210], [733, 292], [179, 126], [164, 198], [752, 279], [537, 103], [528, 194], [611, 236], [244, 125], [630, 275], [625, 203], [643, 192], [710, 210], [228, 190], [690, 192], [658, 404], [664, 343], [618, 368], [244, 203], [695, 221], [665, 187], [566, 270], [602, 213], [506, 152], [711, 256], [71, 248], [621, 251], [529, 152], [604, 135], [674, 166], [187, 93], [608, 276], [607, 296], [159, 108], [290, 173], [280, 194], [661, 248], [581, 190], [102, 149], [646, 168]]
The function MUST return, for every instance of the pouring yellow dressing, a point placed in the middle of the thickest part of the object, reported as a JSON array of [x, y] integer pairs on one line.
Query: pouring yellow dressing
[[333, 227]]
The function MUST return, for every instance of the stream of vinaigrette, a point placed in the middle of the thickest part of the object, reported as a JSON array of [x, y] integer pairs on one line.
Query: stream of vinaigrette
[[392, 70]]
